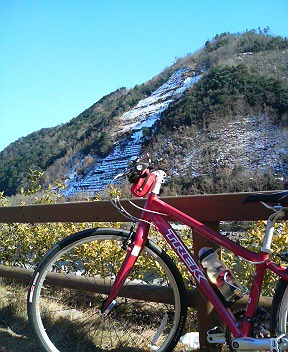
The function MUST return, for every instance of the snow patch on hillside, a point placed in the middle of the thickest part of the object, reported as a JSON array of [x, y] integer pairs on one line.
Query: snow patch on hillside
[[148, 110], [251, 143]]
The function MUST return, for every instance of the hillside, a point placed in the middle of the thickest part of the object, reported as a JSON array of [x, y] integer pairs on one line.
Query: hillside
[[218, 115]]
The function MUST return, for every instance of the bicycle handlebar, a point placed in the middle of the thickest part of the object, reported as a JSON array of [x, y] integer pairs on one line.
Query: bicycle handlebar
[[138, 168]]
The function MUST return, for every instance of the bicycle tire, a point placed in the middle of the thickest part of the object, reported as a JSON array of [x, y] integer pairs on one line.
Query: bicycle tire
[[68, 319], [279, 311]]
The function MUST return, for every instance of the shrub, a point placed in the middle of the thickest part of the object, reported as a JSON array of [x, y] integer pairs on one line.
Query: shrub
[[252, 240], [23, 245]]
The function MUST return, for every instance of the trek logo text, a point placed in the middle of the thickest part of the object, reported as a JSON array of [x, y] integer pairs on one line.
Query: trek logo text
[[186, 257]]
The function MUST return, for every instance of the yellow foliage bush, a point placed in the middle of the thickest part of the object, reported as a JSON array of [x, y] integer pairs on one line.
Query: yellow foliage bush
[[23, 245], [252, 240]]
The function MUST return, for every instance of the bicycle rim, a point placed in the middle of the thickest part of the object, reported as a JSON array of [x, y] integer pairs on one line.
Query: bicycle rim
[[69, 319]]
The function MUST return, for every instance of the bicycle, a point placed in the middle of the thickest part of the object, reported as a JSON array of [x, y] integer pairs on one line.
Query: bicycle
[[116, 290]]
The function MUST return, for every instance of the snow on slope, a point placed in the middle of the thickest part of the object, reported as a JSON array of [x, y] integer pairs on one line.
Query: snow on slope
[[148, 110], [253, 143], [144, 114]]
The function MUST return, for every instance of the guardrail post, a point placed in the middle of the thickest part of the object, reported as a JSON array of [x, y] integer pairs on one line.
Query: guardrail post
[[207, 318]]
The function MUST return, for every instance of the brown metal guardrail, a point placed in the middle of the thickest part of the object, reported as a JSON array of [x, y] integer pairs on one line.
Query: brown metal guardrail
[[209, 209], [204, 208]]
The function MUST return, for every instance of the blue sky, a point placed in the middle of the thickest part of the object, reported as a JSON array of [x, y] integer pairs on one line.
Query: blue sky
[[58, 57]]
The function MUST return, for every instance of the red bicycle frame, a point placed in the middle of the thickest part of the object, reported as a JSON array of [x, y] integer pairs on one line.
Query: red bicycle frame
[[154, 212]]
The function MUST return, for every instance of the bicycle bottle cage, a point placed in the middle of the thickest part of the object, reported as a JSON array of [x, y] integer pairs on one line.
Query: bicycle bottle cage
[[143, 185]]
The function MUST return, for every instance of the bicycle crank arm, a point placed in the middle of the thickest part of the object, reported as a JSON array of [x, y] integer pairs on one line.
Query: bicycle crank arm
[[258, 344]]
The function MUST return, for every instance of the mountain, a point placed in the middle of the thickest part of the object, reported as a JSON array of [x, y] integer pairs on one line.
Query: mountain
[[215, 120]]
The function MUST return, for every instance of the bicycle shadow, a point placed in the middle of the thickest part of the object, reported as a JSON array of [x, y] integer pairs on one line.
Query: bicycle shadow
[[11, 343], [15, 334]]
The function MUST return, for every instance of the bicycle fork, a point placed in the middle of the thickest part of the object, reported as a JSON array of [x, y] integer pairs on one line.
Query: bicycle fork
[[133, 251]]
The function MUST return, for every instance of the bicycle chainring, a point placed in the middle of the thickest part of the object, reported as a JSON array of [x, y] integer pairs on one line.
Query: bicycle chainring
[[260, 328]]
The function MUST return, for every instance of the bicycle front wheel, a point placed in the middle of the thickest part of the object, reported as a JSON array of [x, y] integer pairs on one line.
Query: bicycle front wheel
[[72, 281]]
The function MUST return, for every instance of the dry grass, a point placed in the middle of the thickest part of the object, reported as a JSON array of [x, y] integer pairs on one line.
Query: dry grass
[[76, 320], [15, 333]]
